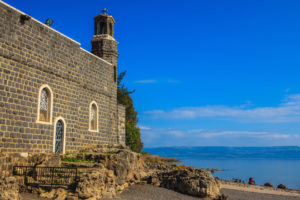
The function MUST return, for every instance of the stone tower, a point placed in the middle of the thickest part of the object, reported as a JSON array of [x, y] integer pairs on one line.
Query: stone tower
[[104, 44]]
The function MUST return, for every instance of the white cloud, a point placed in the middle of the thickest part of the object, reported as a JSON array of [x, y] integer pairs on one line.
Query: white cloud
[[289, 111], [202, 137], [144, 127], [159, 80], [232, 133], [146, 81]]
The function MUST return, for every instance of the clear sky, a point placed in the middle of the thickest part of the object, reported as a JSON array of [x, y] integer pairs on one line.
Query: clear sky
[[206, 72]]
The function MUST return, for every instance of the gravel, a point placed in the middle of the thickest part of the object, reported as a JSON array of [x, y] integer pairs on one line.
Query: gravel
[[242, 195], [148, 192]]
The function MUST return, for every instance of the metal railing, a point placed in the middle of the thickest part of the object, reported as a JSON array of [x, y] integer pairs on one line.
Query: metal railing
[[46, 175]]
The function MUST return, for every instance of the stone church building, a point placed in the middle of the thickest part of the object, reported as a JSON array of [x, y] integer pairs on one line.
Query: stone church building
[[54, 95]]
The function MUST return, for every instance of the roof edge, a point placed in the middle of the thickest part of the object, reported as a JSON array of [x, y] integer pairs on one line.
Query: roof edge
[[96, 56], [44, 25]]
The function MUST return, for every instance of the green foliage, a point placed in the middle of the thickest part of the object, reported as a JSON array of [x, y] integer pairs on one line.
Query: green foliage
[[74, 159], [133, 135]]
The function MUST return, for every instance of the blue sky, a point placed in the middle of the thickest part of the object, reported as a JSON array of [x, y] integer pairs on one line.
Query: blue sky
[[205, 72]]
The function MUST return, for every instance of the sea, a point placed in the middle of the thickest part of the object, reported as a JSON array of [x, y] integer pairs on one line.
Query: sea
[[276, 165]]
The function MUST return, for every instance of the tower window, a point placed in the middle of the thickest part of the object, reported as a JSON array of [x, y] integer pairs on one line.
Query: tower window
[[93, 125], [110, 29], [45, 104], [102, 28], [98, 29]]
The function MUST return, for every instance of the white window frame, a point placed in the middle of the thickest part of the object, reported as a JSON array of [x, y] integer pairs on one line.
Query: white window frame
[[97, 110], [39, 103], [54, 133]]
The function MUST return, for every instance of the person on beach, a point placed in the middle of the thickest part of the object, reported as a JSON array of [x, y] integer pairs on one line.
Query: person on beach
[[251, 181]]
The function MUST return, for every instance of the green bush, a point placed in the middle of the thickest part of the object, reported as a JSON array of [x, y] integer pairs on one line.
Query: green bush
[[133, 134], [133, 137]]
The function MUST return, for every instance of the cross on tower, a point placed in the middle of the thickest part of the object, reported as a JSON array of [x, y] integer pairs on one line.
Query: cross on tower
[[104, 11]]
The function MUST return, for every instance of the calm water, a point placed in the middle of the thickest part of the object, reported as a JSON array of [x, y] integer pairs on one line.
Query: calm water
[[266, 164]]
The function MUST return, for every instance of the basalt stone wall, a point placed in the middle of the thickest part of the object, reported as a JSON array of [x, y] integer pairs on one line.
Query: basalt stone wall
[[33, 54], [121, 123]]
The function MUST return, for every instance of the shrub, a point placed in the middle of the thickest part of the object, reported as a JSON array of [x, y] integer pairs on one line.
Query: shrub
[[133, 135]]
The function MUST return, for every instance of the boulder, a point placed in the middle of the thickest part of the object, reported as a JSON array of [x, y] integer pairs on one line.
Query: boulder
[[120, 168], [195, 182]]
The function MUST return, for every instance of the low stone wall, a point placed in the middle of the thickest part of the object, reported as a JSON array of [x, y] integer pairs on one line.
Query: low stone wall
[[7, 161]]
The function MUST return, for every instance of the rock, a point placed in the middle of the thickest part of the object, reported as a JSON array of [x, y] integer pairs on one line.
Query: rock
[[24, 155], [222, 197], [71, 197], [237, 180], [58, 194], [281, 186], [49, 160], [190, 181], [268, 184], [9, 189], [91, 185], [119, 168]]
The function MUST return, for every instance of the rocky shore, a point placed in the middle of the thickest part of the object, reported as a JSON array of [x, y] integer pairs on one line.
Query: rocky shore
[[115, 172], [104, 172]]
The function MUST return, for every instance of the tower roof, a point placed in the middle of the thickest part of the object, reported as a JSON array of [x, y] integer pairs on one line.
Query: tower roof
[[105, 16]]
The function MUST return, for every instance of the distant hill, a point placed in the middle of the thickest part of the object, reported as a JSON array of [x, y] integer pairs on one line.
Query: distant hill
[[277, 152]]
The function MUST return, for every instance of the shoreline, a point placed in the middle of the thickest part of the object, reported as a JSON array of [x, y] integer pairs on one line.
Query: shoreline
[[226, 184]]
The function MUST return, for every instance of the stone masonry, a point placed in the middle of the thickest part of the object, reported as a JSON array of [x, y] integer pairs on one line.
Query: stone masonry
[[31, 55]]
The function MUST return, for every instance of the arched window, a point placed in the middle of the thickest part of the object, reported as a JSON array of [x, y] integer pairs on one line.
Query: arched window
[[45, 103], [59, 136], [93, 124]]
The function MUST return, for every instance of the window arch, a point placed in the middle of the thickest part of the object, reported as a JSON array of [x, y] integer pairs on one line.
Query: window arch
[[45, 104], [59, 136], [93, 121]]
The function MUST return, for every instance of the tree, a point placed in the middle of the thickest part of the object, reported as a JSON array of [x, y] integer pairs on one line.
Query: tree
[[133, 134]]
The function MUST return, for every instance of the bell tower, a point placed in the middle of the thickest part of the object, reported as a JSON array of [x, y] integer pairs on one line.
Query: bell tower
[[104, 44]]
